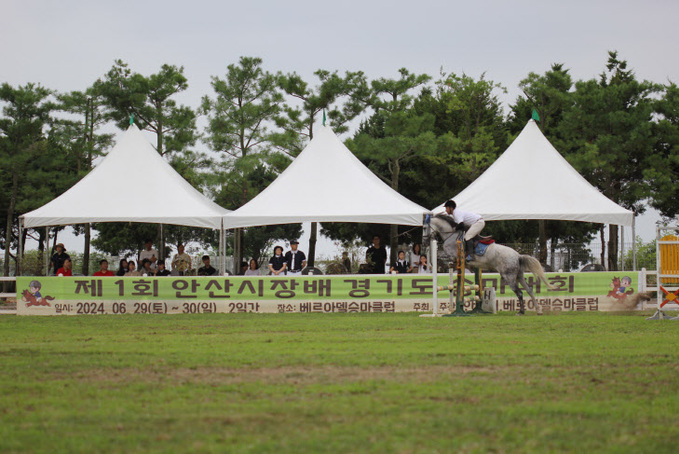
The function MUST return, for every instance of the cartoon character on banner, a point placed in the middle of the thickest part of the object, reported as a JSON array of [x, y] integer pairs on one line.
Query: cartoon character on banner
[[620, 288], [32, 296]]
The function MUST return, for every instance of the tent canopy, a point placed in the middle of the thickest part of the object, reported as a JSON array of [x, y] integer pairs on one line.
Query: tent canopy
[[326, 183], [133, 183], [531, 180]]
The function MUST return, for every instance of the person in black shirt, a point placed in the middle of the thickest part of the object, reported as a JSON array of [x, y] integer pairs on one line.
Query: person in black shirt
[[295, 260], [277, 263], [401, 265], [376, 256], [59, 257], [162, 271], [206, 269]]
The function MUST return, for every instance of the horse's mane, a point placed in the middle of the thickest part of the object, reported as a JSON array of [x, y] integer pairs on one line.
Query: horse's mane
[[446, 218]]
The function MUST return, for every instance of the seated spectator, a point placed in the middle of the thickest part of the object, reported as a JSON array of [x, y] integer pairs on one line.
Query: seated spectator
[[146, 269], [253, 269], [66, 269], [150, 254], [103, 269], [122, 268], [181, 262], [401, 265], [59, 257], [131, 269], [277, 264], [422, 267], [243, 268], [162, 271], [207, 269]]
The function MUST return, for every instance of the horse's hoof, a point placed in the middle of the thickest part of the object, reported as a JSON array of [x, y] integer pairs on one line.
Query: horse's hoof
[[521, 313]]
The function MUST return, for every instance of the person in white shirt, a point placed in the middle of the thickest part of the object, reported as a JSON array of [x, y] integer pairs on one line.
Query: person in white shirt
[[295, 259], [415, 253], [149, 253], [472, 223], [253, 269], [422, 266]]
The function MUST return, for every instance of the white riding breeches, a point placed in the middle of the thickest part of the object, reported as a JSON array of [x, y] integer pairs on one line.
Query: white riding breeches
[[474, 230]]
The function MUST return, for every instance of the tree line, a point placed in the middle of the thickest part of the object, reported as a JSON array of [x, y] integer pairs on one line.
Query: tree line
[[426, 136]]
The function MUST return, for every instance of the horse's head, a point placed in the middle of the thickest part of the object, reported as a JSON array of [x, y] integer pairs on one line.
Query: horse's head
[[441, 226]]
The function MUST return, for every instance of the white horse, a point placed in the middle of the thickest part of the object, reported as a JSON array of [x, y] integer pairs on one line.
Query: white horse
[[505, 260]]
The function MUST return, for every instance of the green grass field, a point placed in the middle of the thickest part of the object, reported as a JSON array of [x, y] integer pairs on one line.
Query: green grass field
[[334, 383]]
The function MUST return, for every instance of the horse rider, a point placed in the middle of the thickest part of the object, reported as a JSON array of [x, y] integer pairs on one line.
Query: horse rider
[[472, 223]]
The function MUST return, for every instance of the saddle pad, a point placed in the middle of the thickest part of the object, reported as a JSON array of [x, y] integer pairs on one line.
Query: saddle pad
[[481, 248]]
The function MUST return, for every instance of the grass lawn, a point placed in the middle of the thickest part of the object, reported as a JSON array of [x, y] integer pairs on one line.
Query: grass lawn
[[333, 383]]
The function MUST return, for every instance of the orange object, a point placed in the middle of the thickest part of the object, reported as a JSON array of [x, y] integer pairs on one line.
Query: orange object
[[669, 259]]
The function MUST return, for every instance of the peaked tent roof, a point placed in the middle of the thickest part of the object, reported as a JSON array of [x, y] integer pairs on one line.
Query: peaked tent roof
[[326, 183], [100, 196], [531, 180]]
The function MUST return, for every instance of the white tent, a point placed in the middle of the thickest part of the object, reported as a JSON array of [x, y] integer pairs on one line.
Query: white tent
[[531, 180], [326, 183], [132, 183]]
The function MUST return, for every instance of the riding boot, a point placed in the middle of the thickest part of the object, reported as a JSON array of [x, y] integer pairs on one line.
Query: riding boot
[[469, 249]]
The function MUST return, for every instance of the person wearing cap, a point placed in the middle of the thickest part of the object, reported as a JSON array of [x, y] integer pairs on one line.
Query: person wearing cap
[[149, 253], [277, 264], [59, 257], [295, 260], [472, 223]]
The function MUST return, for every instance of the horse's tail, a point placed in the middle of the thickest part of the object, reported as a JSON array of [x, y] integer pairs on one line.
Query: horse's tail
[[533, 265]]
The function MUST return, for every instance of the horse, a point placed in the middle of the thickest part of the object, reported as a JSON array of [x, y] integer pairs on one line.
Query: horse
[[505, 260]]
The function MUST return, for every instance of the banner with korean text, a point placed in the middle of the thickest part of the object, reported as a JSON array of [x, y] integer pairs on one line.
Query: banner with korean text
[[331, 293]]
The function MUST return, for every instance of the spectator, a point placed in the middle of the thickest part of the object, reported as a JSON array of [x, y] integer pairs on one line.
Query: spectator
[[295, 260], [131, 269], [243, 268], [277, 263], [415, 254], [253, 269], [59, 257], [103, 269], [422, 267], [149, 253], [401, 265], [146, 269], [181, 262], [66, 270], [122, 268], [346, 261], [376, 256], [207, 269], [162, 271]]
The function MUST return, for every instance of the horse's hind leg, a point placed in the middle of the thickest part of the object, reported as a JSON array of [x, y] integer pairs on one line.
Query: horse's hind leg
[[522, 281], [511, 282]]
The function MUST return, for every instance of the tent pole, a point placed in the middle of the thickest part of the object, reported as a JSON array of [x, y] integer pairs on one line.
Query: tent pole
[[634, 242], [622, 248], [47, 251], [20, 249], [221, 247]]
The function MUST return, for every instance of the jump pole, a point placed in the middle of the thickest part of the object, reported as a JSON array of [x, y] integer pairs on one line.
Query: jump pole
[[433, 251], [459, 291]]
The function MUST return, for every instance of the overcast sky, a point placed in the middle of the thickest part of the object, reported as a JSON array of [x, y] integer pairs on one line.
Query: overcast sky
[[66, 45]]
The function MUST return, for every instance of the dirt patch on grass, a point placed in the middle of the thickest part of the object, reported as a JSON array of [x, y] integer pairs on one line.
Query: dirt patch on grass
[[280, 375]]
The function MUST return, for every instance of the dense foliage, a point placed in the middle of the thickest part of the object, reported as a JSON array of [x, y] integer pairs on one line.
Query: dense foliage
[[427, 137]]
